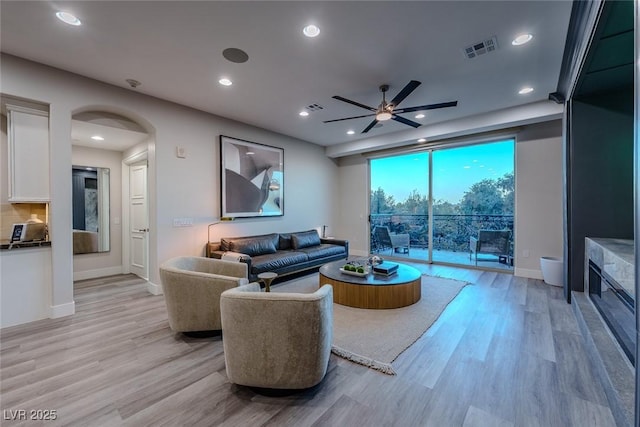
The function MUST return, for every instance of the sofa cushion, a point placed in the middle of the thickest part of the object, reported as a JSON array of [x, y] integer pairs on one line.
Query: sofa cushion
[[305, 239], [276, 261], [253, 246], [324, 250]]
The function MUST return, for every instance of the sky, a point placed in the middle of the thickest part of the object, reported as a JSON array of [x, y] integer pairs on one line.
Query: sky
[[454, 170]]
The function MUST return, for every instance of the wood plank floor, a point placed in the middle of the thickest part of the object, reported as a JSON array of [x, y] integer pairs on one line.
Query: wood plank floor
[[506, 352]]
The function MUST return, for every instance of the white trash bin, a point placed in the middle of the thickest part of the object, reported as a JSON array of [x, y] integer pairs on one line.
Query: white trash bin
[[552, 270]]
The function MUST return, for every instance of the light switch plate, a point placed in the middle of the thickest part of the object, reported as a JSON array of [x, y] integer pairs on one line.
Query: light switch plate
[[183, 222], [181, 152]]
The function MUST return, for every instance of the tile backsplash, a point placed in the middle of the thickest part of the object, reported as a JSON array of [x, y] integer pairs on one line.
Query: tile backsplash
[[11, 213]]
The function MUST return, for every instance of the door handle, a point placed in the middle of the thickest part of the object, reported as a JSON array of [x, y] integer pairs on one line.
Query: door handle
[[143, 230]]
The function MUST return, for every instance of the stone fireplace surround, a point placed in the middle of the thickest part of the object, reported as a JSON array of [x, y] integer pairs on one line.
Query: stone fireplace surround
[[612, 366]]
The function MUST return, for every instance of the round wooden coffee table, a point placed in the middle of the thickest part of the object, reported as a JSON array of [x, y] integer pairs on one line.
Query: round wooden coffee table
[[373, 290]]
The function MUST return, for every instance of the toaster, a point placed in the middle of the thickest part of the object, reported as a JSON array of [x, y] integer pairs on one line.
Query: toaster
[[27, 232]]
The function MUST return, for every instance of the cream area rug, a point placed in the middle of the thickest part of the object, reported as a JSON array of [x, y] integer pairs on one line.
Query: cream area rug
[[375, 338]]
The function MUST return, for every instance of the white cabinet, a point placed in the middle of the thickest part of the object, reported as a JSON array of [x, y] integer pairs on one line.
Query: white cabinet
[[28, 134], [25, 285]]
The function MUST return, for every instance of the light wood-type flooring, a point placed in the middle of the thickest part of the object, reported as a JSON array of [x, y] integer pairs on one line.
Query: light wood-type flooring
[[506, 352]]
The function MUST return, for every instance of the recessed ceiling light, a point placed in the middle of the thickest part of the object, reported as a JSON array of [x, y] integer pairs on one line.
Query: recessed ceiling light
[[422, 140], [420, 116], [350, 132], [225, 82], [311, 31], [525, 90], [68, 18], [97, 138], [304, 113], [522, 39]]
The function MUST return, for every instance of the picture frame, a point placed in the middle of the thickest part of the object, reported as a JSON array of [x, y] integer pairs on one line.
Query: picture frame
[[251, 179]]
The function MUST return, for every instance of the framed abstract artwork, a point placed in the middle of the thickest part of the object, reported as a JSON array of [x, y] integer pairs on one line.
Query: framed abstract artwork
[[252, 179]]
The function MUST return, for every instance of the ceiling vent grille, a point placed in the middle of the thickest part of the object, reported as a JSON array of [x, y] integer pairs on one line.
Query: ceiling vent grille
[[314, 107], [481, 48]]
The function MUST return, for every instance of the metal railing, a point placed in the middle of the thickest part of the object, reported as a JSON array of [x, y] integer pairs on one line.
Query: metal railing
[[450, 232]]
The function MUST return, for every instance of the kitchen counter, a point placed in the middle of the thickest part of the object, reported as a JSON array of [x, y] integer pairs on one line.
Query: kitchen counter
[[615, 257], [6, 245]]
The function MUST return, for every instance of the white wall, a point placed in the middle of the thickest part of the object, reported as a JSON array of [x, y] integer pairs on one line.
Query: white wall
[[87, 266], [538, 224], [353, 196], [178, 187], [539, 182]]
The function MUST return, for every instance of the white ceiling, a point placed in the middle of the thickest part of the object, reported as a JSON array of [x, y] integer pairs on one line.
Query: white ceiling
[[175, 49], [114, 138]]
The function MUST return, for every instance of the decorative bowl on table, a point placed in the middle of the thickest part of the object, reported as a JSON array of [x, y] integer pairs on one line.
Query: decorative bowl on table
[[355, 268], [353, 273]]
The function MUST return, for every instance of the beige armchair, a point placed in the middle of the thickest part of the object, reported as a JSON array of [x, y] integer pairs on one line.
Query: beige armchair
[[192, 288], [276, 340]]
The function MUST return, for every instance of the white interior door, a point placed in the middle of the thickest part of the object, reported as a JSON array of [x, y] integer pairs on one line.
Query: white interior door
[[139, 221]]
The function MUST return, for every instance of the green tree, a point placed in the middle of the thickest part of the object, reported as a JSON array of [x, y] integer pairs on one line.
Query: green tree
[[506, 185], [482, 198], [381, 203], [414, 204], [442, 207]]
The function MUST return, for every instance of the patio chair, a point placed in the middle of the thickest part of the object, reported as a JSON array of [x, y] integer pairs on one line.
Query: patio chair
[[386, 239], [493, 242]]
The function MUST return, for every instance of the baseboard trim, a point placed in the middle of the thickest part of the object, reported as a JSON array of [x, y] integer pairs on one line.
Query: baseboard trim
[[62, 310], [99, 272], [529, 273], [154, 289]]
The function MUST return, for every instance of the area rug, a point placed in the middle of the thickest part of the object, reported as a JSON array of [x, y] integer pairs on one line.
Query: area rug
[[375, 338]]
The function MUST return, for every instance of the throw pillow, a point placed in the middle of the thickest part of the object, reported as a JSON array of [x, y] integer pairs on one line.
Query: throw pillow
[[284, 241], [305, 239]]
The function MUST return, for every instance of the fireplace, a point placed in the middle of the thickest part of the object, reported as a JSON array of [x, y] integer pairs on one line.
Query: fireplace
[[616, 306]]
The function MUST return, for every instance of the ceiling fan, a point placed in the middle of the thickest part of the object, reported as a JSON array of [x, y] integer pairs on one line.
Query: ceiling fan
[[387, 110]]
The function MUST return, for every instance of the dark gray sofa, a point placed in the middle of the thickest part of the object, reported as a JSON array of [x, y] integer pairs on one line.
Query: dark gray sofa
[[282, 253]]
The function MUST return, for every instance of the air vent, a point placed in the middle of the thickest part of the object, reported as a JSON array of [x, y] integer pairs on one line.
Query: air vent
[[314, 107], [481, 48]]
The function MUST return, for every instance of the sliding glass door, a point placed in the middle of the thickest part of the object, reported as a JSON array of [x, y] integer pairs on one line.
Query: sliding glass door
[[473, 193], [399, 205], [450, 205]]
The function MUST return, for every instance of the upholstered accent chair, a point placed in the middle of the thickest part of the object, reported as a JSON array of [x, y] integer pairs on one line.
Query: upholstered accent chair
[[192, 287], [276, 340], [494, 242]]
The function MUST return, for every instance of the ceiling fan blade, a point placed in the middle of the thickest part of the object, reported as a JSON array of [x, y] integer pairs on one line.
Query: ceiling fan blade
[[405, 121], [426, 107], [357, 104], [410, 87], [371, 125], [348, 118]]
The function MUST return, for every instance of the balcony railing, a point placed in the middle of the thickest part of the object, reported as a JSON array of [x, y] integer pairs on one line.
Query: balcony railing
[[450, 232]]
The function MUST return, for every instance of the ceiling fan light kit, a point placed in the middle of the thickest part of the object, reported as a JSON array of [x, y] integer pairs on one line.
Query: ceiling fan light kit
[[387, 110], [383, 116]]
